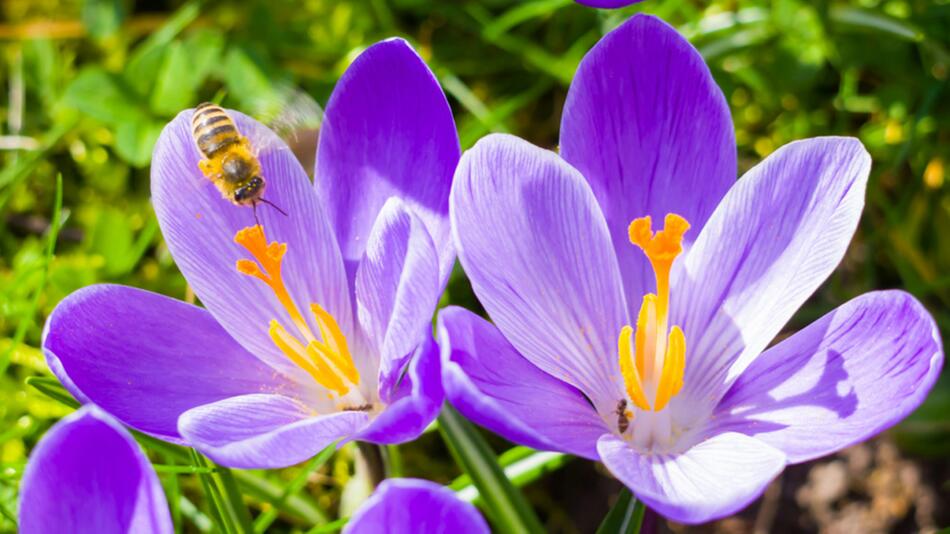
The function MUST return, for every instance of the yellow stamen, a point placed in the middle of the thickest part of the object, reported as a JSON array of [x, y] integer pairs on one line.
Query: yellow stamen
[[315, 367], [673, 366], [334, 343], [630, 375], [313, 355], [660, 359]]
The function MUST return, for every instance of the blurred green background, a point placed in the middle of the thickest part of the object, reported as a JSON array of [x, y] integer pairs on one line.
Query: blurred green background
[[85, 88]]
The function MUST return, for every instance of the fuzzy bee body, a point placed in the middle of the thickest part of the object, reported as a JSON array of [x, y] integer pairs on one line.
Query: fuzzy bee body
[[229, 160]]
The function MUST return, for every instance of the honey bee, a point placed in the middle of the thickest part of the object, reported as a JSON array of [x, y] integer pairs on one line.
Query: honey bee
[[623, 422], [229, 160]]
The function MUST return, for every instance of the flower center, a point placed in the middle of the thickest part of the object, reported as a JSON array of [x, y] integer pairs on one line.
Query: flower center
[[652, 362], [328, 359]]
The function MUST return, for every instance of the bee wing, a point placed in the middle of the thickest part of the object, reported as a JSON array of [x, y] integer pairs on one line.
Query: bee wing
[[295, 117]]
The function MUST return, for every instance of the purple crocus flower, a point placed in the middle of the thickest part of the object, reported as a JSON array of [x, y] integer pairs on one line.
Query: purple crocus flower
[[316, 324], [403, 505], [87, 475], [649, 351]]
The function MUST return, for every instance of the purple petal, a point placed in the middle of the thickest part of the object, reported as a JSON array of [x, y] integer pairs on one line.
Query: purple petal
[[414, 505], [388, 131], [490, 383], [87, 475], [537, 251], [773, 240], [414, 404], [199, 227], [264, 431], [608, 4], [848, 376], [648, 127], [146, 358], [397, 289], [713, 479]]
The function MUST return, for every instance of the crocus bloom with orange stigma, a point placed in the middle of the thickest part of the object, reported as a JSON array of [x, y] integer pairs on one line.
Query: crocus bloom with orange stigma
[[316, 323], [635, 288]]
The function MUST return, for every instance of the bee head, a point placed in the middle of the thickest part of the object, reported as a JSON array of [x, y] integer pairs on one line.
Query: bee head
[[250, 191]]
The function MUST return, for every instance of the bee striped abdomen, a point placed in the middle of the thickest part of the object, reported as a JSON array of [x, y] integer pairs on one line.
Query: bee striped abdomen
[[213, 129]]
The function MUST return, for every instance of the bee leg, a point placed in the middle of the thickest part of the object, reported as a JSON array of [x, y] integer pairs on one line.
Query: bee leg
[[206, 168]]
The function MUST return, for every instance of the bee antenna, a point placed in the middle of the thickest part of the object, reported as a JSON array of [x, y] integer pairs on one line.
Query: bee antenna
[[256, 220], [271, 204]]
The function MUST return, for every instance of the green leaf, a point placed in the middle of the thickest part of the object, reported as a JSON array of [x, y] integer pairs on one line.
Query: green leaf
[[234, 501], [176, 81], [505, 505], [102, 18], [254, 82], [184, 68], [215, 502], [143, 67], [104, 97], [334, 526], [111, 238], [52, 389], [625, 517], [878, 22], [205, 47], [134, 140], [147, 58], [522, 465], [523, 12]]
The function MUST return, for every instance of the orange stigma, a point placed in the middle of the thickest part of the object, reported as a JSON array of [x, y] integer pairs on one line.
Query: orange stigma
[[326, 359], [652, 362]]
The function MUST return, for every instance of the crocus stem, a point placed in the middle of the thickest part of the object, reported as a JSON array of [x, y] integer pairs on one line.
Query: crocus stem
[[503, 503], [373, 457], [626, 516], [392, 461]]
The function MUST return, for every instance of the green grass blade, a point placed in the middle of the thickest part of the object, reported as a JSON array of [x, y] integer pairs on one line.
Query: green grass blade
[[188, 509], [27, 320], [334, 526], [625, 517], [523, 12], [52, 389], [522, 466], [264, 521], [303, 508], [232, 499], [213, 498], [874, 21], [504, 503]]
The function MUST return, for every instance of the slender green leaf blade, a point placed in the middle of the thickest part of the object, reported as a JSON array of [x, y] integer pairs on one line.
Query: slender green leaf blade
[[504, 503], [625, 517]]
